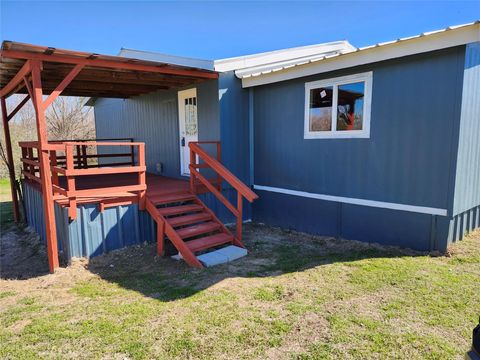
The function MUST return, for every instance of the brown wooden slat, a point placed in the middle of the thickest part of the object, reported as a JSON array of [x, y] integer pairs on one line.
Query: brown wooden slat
[[208, 242]]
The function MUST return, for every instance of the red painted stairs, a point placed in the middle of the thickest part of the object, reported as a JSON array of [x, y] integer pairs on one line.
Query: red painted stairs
[[189, 224]]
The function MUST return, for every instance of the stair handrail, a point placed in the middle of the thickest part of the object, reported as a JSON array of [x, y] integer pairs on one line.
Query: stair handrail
[[243, 191]]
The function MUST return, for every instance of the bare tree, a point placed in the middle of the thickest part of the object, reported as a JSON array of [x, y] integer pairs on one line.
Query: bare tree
[[67, 118]]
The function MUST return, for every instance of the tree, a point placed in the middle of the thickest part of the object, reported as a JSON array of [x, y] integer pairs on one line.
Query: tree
[[67, 119]]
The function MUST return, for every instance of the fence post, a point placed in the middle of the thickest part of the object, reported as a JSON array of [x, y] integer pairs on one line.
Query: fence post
[[71, 190], [239, 216], [141, 176], [193, 162]]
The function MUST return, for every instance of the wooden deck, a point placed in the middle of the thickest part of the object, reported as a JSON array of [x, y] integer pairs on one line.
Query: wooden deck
[[157, 185]]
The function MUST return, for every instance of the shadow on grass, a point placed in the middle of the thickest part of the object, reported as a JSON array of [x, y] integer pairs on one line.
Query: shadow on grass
[[272, 252]]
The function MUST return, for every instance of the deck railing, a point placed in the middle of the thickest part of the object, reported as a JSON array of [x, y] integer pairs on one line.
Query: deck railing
[[200, 158], [70, 159]]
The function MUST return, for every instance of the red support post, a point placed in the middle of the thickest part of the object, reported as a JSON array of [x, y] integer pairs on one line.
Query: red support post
[[193, 162], [141, 176], [11, 165], [71, 188], [45, 172], [239, 216]]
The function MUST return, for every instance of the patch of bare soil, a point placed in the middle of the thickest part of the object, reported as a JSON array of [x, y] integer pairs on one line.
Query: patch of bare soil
[[22, 255]]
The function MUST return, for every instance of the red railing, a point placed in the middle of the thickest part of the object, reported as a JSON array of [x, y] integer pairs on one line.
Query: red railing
[[207, 161], [70, 159]]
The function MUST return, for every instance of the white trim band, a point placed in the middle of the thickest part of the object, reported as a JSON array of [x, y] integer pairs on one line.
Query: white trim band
[[355, 201]]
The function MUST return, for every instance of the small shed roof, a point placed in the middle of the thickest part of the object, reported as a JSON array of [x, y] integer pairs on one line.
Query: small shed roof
[[101, 76]]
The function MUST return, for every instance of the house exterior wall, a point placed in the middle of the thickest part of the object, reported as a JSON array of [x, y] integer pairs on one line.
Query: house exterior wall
[[407, 160], [153, 119], [467, 179]]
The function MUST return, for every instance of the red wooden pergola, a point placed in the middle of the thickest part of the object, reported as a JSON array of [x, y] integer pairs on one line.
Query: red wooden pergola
[[44, 73]]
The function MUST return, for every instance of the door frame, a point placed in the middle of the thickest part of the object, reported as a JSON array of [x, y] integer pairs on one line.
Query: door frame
[[184, 158]]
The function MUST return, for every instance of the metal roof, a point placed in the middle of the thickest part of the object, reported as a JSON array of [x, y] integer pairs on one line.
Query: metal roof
[[256, 71]]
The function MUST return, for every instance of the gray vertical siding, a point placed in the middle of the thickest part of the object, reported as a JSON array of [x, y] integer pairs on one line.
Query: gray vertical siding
[[467, 180], [153, 119]]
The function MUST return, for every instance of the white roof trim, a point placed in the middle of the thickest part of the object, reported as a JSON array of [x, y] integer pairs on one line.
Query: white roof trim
[[166, 58], [271, 58], [434, 40]]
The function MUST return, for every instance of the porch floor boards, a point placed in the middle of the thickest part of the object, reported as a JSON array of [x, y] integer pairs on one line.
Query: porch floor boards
[[157, 186]]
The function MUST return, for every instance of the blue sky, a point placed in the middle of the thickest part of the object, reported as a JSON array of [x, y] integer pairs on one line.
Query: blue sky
[[213, 30]]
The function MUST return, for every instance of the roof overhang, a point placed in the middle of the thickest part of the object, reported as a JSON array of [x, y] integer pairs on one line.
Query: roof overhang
[[426, 42], [101, 75]]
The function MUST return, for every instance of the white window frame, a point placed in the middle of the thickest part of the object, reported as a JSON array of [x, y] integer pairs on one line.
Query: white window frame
[[367, 78]]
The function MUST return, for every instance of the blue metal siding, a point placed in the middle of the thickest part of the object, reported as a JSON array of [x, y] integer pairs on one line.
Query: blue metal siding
[[234, 128], [467, 181], [234, 125], [328, 218], [406, 160], [153, 119], [92, 233]]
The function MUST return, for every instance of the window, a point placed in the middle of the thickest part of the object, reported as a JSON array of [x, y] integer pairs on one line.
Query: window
[[339, 107]]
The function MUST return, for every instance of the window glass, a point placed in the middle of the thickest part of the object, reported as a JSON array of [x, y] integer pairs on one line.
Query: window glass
[[350, 106], [320, 112]]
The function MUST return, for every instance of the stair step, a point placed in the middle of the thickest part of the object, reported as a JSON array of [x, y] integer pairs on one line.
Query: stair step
[[189, 219], [198, 229], [180, 209], [171, 198], [209, 242]]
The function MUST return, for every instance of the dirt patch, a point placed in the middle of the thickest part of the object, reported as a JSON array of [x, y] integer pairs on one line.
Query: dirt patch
[[22, 255]]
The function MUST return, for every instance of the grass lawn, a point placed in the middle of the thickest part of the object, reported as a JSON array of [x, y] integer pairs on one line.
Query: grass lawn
[[6, 211], [293, 297]]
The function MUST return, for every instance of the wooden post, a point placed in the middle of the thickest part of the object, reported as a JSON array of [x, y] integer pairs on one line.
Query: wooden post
[[84, 156], [45, 173], [219, 159], [71, 188], [30, 156], [239, 216], [11, 165], [193, 162], [141, 176], [160, 238]]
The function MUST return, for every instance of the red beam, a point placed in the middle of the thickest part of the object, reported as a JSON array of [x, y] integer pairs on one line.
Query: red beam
[[108, 64], [45, 172], [65, 82], [19, 106], [11, 165], [24, 71]]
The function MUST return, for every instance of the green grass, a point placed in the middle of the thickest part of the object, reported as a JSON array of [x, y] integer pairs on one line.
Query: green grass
[[298, 298], [6, 211]]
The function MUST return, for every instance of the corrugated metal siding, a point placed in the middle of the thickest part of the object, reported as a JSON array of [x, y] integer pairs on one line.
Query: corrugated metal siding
[[234, 127], [467, 182], [153, 119], [92, 233], [407, 159]]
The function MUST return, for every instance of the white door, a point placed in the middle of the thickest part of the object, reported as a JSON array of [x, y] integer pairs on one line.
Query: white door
[[188, 125]]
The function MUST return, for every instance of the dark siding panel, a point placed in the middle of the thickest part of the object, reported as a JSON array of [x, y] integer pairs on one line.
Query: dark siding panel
[[467, 183], [407, 158], [234, 127], [372, 225]]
